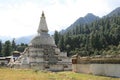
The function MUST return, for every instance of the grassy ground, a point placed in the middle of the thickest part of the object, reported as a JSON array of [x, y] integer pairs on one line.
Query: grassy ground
[[19, 74]]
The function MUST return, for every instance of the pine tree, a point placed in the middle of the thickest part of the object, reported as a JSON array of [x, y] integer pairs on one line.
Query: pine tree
[[61, 44], [13, 45], [7, 48], [21, 47], [0, 48], [56, 37]]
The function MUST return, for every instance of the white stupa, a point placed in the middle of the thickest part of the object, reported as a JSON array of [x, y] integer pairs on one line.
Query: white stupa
[[42, 52]]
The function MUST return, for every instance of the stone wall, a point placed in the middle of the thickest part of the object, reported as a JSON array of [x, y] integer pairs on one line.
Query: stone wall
[[98, 69], [97, 66], [82, 68], [56, 67], [106, 69]]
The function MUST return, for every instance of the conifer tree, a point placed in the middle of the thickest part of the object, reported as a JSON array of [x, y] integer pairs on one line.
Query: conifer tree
[[0, 48], [7, 48], [61, 44], [56, 37], [13, 45]]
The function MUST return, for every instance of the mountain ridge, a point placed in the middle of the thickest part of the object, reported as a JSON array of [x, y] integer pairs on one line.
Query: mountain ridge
[[88, 18], [115, 12]]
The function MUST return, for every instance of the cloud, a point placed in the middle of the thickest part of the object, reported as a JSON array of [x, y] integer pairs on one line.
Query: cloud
[[21, 17], [19, 20]]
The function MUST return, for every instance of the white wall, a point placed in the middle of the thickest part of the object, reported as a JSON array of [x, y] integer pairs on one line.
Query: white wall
[[69, 68], [82, 68], [106, 69], [98, 69], [56, 67]]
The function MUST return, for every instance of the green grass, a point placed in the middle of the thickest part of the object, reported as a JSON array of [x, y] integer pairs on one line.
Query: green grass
[[28, 74]]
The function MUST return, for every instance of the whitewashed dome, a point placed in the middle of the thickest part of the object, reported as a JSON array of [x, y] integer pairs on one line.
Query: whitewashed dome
[[45, 39]]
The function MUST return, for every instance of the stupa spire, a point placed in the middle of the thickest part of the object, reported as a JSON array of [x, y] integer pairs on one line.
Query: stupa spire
[[42, 25], [43, 15]]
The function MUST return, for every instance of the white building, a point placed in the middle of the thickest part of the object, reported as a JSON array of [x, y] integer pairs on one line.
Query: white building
[[42, 52]]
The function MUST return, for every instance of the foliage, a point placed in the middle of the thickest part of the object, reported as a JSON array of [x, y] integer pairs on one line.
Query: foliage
[[0, 48], [21, 47], [95, 38], [56, 37], [14, 45], [8, 47], [61, 44]]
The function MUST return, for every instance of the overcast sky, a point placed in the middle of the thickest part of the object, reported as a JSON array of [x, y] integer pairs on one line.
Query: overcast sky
[[21, 17]]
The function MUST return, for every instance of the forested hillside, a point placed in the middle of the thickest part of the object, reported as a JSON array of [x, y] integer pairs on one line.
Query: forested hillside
[[101, 37]]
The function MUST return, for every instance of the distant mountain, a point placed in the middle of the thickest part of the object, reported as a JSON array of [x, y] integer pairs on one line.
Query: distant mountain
[[24, 39], [82, 20], [5, 38], [89, 18], [114, 12]]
